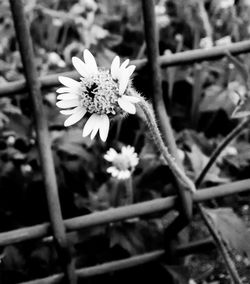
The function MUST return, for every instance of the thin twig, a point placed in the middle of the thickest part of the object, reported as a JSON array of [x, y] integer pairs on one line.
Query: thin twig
[[228, 261], [233, 134]]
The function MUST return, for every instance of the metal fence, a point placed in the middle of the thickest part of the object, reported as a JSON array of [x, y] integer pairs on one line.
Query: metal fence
[[58, 228]]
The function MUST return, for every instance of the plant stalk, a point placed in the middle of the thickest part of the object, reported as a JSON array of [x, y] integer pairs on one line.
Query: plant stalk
[[157, 139], [224, 252], [233, 134]]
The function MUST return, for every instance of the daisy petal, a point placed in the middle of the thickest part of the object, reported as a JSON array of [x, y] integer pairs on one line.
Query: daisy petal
[[90, 125], [123, 83], [110, 169], [124, 64], [104, 127], [121, 175], [131, 99], [90, 61], [94, 131], [115, 67], [126, 105], [63, 90], [113, 171], [130, 70], [68, 103], [69, 111], [111, 154], [75, 117], [68, 82], [67, 96], [80, 67]]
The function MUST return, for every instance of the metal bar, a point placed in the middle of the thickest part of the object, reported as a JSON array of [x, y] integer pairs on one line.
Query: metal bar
[[222, 190], [190, 248], [122, 213], [105, 268], [151, 37], [180, 58], [93, 219], [48, 170]]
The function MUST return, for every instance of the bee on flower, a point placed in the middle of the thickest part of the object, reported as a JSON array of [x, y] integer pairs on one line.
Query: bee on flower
[[100, 94], [123, 163]]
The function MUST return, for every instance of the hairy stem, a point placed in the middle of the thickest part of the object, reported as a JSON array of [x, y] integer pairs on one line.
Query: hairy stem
[[178, 172], [157, 139]]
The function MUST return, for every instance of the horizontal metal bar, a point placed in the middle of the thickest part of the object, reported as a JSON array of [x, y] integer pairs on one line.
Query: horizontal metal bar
[[104, 268], [222, 190], [180, 58], [121, 213], [199, 55], [93, 219], [190, 248]]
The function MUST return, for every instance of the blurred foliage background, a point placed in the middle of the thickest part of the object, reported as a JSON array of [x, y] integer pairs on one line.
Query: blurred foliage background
[[199, 98]]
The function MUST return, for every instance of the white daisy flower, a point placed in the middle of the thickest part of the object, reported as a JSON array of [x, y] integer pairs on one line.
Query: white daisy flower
[[100, 93], [123, 163]]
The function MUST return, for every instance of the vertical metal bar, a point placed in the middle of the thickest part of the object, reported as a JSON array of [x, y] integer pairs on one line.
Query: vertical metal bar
[[165, 127], [151, 36], [48, 170], [185, 207]]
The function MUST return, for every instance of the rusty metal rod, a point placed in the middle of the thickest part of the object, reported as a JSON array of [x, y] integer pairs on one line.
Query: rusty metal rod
[[151, 37], [121, 213], [47, 164], [180, 58], [112, 266], [104, 268]]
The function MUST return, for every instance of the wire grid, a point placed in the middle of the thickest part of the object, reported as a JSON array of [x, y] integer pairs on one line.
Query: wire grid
[[58, 226]]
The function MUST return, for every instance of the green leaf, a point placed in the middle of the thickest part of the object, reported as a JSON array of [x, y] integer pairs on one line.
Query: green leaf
[[72, 143], [242, 109], [216, 98], [231, 229], [128, 237]]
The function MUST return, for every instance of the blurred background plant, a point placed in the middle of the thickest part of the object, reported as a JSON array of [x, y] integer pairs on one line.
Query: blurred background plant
[[199, 98]]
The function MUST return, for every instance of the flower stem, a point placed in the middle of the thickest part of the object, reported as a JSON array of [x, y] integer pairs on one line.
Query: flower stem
[[129, 191], [157, 139], [181, 176], [233, 134]]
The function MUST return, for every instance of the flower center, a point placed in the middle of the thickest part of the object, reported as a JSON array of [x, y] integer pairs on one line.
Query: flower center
[[122, 163], [99, 93]]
